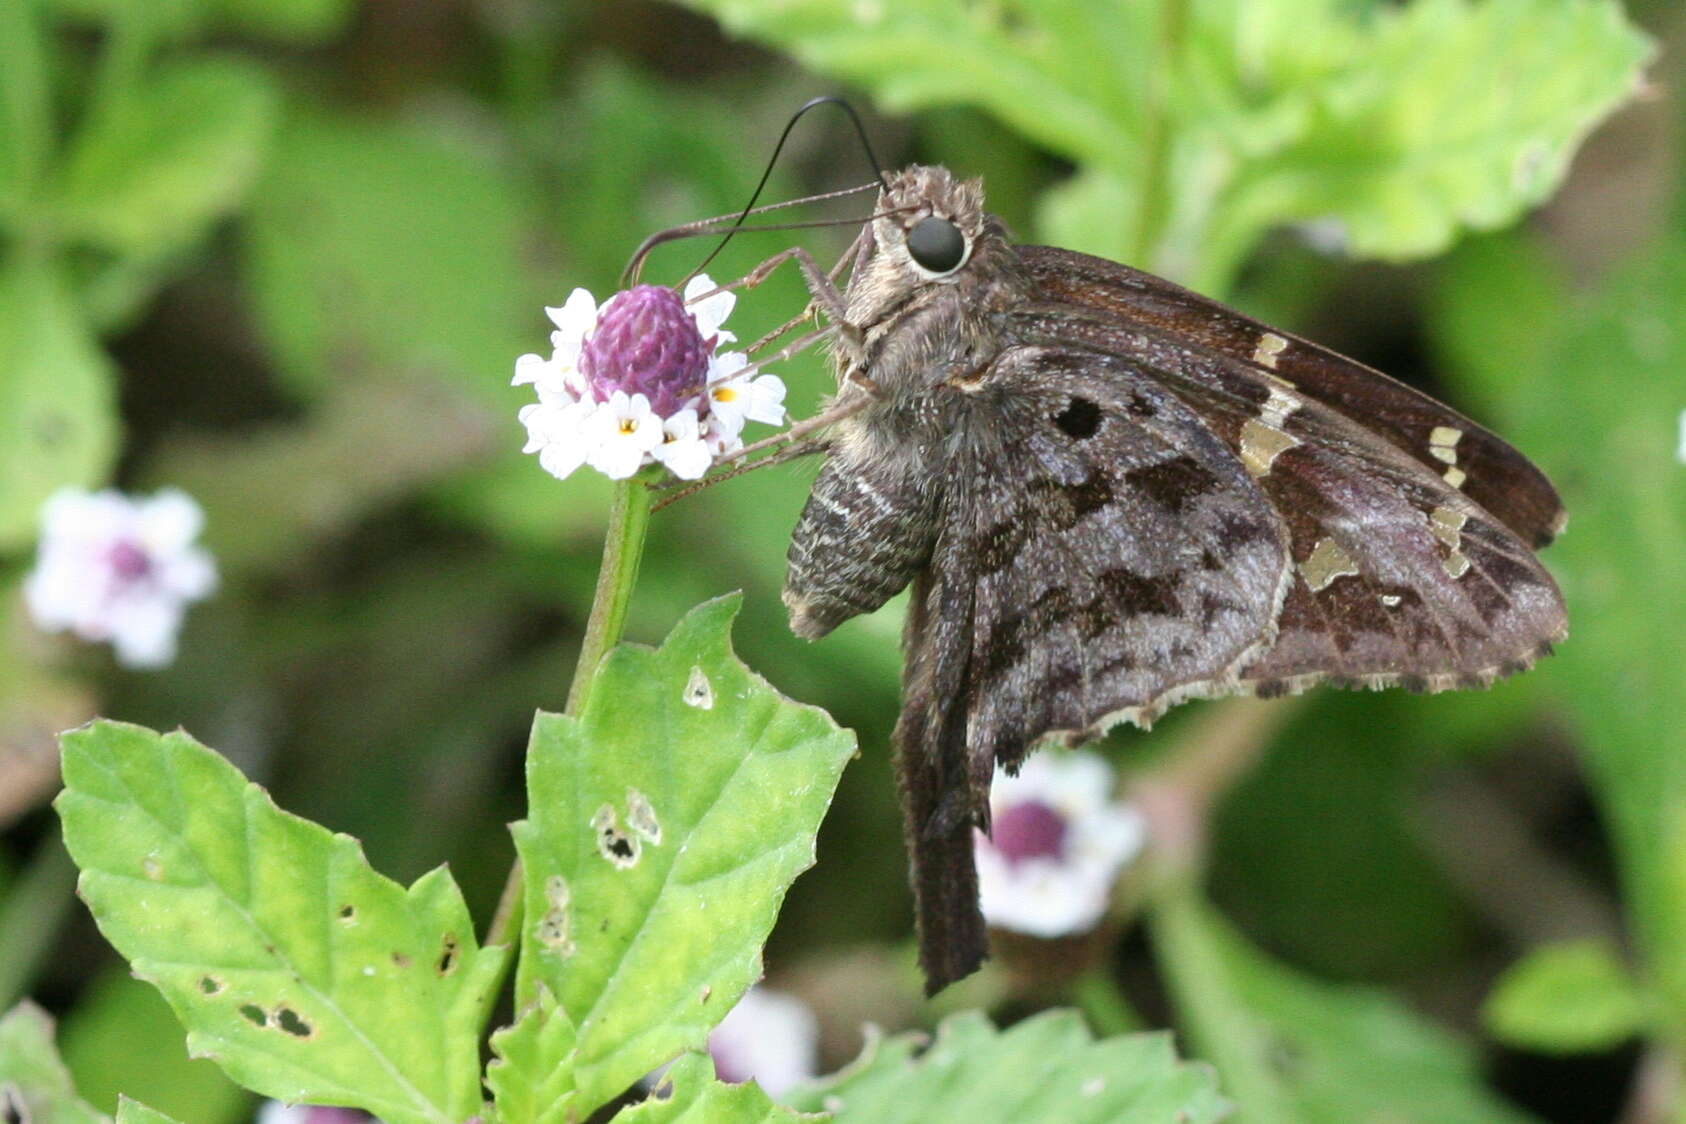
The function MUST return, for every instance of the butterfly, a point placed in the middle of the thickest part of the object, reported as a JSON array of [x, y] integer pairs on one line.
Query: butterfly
[[1110, 495]]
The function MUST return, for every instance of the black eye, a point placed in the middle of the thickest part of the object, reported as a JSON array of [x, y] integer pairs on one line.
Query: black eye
[[936, 244]]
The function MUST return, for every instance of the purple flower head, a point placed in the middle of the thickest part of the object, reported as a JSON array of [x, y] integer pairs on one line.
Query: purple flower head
[[1030, 830], [647, 342]]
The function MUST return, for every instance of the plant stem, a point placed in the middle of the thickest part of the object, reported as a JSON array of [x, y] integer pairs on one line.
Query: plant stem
[[623, 548], [35, 906], [1097, 994]]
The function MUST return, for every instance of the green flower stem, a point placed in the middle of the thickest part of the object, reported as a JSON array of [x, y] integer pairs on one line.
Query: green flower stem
[[623, 548], [1219, 1029], [34, 907], [1096, 993]]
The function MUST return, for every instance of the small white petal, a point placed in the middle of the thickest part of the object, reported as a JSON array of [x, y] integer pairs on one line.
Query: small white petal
[[530, 368], [191, 575], [766, 400], [577, 316], [709, 313], [143, 631], [169, 520]]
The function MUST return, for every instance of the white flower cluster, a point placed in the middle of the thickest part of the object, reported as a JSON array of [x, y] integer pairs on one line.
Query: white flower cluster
[[620, 433], [1059, 842], [112, 568]]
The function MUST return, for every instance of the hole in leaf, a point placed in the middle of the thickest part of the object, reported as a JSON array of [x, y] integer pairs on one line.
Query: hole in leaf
[[641, 816], [254, 1014], [614, 844], [288, 1020], [699, 692], [210, 985], [348, 913], [401, 960], [552, 930], [1080, 419], [152, 868], [448, 957]]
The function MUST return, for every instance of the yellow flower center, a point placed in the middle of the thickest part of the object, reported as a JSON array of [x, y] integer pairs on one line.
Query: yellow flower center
[[628, 425], [725, 394]]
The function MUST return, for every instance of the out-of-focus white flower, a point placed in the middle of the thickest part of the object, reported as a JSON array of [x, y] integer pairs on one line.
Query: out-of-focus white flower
[[1057, 843], [112, 568], [769, 1036], [646, 344], [275, 1112]]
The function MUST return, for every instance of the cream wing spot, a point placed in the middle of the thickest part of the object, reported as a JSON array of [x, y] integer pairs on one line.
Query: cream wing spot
[[1443, 447], [1326, 562], [1448, 526], [1264, 438], [1269, 347]]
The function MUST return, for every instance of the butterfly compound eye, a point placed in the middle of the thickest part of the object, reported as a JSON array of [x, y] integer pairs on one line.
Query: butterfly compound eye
[[936, 244]]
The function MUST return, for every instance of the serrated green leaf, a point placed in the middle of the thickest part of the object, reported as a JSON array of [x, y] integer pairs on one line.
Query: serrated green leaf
[[1197, 127], [666, 823], [689, 1094], [58, 409], [1452, 115], [1294, 1050], [387, 248], [133, 1112], [1047, 1068], [179, 151], [1566, 998], [295, 966], [532, 1075], [34, 1083]]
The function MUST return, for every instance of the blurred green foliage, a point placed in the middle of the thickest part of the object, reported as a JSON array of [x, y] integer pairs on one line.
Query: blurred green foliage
[[283, 253]]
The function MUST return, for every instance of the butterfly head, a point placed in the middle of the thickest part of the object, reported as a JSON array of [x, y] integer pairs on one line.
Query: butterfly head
[[930, 222]]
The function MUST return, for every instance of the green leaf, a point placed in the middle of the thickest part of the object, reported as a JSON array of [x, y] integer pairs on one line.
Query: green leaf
[[666, 823], [1296, 1050], [26, 119], [386, 249], [133, 1112], [1199, 126], [97, 1041], [298, 969], [689, 1094], [58, 413], [1046, 1068], [149, 176], [532, 1074], [34, 1084], [1564, 999], [1453, 115]]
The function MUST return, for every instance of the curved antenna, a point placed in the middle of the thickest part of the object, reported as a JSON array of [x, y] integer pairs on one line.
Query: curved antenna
[[811, 103], [700, 227]]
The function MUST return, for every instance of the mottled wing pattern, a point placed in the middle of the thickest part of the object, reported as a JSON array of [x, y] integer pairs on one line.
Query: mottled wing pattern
[[1121, 555], [1464, 455], [1399, 577]]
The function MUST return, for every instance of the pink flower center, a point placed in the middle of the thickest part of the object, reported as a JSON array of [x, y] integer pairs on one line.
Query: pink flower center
[[128, 561], [1029, 830]]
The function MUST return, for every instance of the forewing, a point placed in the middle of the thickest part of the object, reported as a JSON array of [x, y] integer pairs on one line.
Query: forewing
[[1121, 556], [1461, 453], [1399, 576]]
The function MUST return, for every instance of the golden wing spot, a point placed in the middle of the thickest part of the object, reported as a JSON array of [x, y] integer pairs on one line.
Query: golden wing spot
[[1263, 438], [1326, 562], [1269, 347], [1443, 447], [1448, 526]]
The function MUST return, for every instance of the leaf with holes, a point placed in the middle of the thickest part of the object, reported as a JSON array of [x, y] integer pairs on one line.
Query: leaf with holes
[[666, 823], [34, 1084], [295, 966], [1046, 1068], [689, 1094]]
